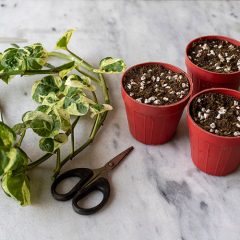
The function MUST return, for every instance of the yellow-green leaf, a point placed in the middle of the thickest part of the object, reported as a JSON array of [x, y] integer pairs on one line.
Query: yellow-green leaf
[[82, 82], [111, 65], [16, 186], [63, 41], [7, 136]]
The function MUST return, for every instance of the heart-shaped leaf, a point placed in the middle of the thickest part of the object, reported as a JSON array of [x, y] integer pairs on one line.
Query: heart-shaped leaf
[[82, 82], [12, 160], [63, 41], [111, 65], [37, 56], [7, 136], [52, 144], [19, 128], [45, 86], [99, 108], [17, 187], [40, 122], [14, 59]]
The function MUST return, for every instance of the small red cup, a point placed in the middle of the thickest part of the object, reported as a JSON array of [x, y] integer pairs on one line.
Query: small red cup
[[151, 124], [213, 154], [203, 79]]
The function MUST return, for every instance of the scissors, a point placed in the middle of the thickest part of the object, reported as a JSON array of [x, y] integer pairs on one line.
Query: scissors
[[90, 180]]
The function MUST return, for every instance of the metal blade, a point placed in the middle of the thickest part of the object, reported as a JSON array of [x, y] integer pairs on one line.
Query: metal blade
[[116, 160]]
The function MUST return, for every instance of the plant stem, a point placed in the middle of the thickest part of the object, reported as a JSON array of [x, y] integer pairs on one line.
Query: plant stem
[[33, 72], [39, 161], [87, 75], [61, 55], [81, 62], [72, 140], [21, 139], [105, 89], [74, 57], [48, 155], [58, 162], [89, 140], [95, 96], [73, 125]]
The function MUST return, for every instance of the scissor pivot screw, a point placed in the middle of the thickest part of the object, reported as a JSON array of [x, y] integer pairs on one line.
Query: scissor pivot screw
[[111, 164]]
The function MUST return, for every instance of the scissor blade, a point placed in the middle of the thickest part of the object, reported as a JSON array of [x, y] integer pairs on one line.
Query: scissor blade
[[116, 160]]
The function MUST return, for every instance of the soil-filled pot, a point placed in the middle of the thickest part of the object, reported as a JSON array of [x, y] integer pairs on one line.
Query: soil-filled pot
[[154, 124], [211, 153], [204, 79]]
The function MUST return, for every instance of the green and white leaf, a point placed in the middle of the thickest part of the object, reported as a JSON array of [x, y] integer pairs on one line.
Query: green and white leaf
[[111, 65], [99, 108], [7, 136], [64, 40], [44, 86], [13, 159], [50, 100], [52, 144], [14, 59], [19, 128], [82, 82], [17, 187], [65, 72], [44, 108], [40, 122], [64, 116], [37, 56]]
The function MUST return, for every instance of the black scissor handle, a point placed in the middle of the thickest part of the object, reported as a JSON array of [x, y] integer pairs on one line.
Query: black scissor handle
[[84, 174], [101, 185]]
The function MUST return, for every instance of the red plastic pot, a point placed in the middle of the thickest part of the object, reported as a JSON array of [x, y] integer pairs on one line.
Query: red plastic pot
[[213, 154], [203, 79], [151, 124]]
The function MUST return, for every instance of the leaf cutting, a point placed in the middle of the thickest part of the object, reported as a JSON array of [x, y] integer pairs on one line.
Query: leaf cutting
[[64, 94]]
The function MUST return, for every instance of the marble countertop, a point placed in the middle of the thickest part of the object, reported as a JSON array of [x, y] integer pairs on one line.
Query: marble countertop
[[157, 193]]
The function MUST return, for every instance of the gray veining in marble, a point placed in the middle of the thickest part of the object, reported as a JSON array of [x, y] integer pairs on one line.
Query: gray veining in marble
[[157, 193]]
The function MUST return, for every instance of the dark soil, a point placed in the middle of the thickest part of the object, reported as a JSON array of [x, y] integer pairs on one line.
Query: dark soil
[[217, 113], [156, 85], [215, 55]]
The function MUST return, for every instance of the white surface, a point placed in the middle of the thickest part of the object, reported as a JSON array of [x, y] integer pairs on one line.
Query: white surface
[[157, 193]]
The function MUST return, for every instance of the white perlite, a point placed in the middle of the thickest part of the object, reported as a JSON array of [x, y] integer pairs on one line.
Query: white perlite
[[205, 46], [221, 57], [165, 99], [222, 110], [157, 102], [237, 133], [212, 52], [213, 125], [152, 98], [238, 64], [132, 82], [129, 86]]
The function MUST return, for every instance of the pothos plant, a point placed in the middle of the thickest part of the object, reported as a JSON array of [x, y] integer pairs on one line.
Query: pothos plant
[[64, 94]]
